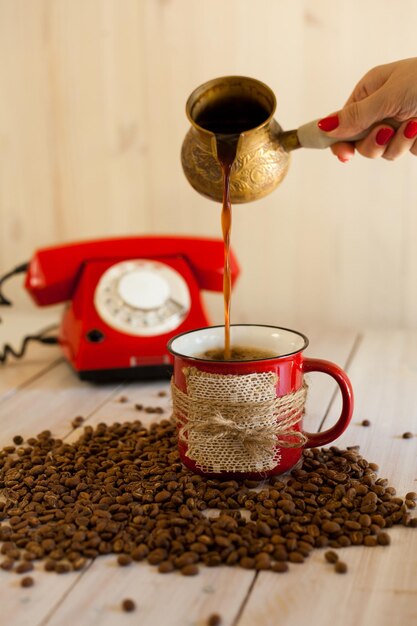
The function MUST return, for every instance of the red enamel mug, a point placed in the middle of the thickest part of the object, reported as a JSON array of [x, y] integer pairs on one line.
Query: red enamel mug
[[243, 419]]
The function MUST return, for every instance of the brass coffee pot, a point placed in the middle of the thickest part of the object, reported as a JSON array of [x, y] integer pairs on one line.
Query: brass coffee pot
[[245, 107]]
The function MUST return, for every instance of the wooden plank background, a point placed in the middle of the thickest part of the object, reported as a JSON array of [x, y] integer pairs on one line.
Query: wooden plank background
[[92, 120]]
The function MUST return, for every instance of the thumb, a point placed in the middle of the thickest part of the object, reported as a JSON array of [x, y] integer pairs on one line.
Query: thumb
[[355, 117]]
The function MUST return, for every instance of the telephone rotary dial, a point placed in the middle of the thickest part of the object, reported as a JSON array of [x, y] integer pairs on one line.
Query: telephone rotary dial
[[142, 298]]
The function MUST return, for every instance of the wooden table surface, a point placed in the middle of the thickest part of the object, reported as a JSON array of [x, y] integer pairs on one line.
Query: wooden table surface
[[380, 588]]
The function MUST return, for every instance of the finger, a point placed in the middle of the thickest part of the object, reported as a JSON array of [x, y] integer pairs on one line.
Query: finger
[[343, 150], [402, 141], [376, 142], [356, 116]]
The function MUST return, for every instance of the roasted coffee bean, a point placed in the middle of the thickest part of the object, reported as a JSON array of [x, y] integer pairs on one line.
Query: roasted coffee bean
[[212, 559], [157, 556], [128, 605], [291, 544], [331, 556], [162, 496], [405, 519], [233, 558], [296, 557], [165, 567], [214, 620], [384, 539], [356, 538], [344, 541], [407, 435], [262, 561], [24, 567], [411, 495], [304, 547], [189, 570], [187, 558], [124, 559], [48, 545], [79, 564], [280, 553], [330, 527], [77, 421], [313, 530], [378, 520], [222, 542], [140, 552], [263, 529], [62, 567], [7, 565], [350, 525], [247, 562], [370, 540], [366, 423], [13, 553], [18, 440], [27, 581], [370, 498], [7, 547], [280, 567], [365, 520], [321, 542], [340, 567]]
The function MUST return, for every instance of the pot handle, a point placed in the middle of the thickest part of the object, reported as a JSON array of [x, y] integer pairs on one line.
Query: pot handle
[[310, 136], [333, 370]]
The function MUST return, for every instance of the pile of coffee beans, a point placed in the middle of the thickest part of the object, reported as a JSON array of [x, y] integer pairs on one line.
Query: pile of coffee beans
[[121, 489]]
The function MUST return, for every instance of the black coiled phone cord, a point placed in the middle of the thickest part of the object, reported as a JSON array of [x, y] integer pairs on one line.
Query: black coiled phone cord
[[8, 350], [40, 337]]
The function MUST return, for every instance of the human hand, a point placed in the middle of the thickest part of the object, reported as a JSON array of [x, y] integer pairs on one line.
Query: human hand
[[386, 91]]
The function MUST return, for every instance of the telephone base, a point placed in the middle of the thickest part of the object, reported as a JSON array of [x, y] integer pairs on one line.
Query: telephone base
[[148, 372]]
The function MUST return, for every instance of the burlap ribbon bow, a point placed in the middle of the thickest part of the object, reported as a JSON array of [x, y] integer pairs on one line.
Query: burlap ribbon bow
[[230, 415]]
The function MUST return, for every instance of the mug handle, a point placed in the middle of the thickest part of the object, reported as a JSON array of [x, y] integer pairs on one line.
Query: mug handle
[[345, 386]]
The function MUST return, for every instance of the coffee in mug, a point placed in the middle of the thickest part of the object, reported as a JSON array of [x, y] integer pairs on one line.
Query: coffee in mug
[[237, 353]]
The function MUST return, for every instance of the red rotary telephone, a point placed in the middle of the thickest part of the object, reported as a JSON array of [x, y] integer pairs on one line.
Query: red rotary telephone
[[127, 297]]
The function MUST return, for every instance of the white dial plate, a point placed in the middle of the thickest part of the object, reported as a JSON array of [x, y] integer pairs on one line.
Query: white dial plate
[[142, 298]]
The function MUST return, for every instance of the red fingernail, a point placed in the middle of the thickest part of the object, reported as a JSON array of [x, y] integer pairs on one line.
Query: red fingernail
[[410, 130], [343, 159], [383, 136], [328, 123]]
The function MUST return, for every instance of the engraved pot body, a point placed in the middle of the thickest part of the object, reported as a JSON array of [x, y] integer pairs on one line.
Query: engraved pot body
[[261, 159]]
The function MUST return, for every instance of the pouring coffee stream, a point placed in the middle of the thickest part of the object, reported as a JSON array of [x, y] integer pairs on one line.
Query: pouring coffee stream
[[226, 151]]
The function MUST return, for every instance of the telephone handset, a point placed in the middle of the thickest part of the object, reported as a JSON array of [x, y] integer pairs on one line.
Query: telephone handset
[[127, 296]]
